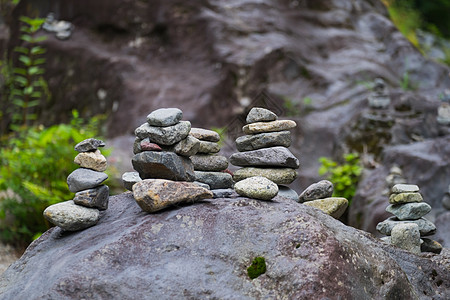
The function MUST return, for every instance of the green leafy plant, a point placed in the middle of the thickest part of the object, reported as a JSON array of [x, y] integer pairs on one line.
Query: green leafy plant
[[223, 133], [344, 176], [257, 267], [291, 108]]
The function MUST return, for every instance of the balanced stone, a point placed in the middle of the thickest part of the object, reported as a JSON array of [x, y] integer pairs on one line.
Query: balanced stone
[[208, 147], [277, 175], [164, 135], [129, 179], [156, 194], [430, 245], [95, 198], [93, 160], [83, 179], [332, 206], [166, 165], [208, 162], [258, 114], [263, 140], [260, 127], [203, 185], [71, 217], [319, 190], [147, 146], [164, 117], [446, 201], [225, 193], [406, 236], [257, 187], [425, 227], [205, 135], [137, 145], [405, 198], [270, 157], [404, 188], [409, 211], [215, 180], [188, 146], [286, 192], [89, 145]]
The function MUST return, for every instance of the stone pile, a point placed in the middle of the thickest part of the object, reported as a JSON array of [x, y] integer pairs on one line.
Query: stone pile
[[408, 227], [91, 195], [209, 167], [379, 97], [394, 177], [446, 199], [263, 151]]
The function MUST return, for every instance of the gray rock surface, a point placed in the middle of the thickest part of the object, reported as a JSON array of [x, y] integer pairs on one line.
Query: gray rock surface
[[430, 245], [203, 185], [93, 160], [257, 187], [187, 147], [287, 192], [333, 206], [260, 127], [404, 188], [406, 236], [268, 157], [409, 211], [165, 165], [263, 140], [425, 227], [405, 198], [277, 175], [94, 198], [215, 180], [192, 246], [259, 114], [319, 190], [225, 193], [164, 117], [206, 162], [71, 217], [205, 134], [129, 179], [83, 179], [164, 135], [208, 147], [89, 145]]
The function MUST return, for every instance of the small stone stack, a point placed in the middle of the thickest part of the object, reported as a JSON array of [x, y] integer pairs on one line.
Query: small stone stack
[[264, 149], [408, 226], [379, 98], [91, 195], [208, 165]]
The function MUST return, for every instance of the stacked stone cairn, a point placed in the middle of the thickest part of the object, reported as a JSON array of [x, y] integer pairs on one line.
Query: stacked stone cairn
[[264, 155], [379, 98], [165, 172], [91, 195], [408, 227], [209, 166]]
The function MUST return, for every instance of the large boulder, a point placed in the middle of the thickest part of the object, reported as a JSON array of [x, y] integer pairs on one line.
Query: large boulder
[[202, 251]]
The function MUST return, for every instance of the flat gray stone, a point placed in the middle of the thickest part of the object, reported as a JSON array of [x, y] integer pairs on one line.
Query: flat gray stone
[[286, 192], [203, 185], [89, 145], [409, 211], [277, 175], [164, 165], [71, 217], [83, 179], [187, 147], [208, 147], [263, 140], [259, 114], [129, 179], [137, 145], [164, 135], [93, 198], [319, 190], [208, 162], [406, 236], [205, 134], [215, 180], [404, 188], [225, 193], [333, 206], [267, 157], [446, 201], [164, 117], [259, 127], [425, 227], [257, 188], [405, 198]]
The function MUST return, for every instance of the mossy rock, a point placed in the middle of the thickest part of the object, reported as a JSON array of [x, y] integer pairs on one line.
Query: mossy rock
[[257, 267]]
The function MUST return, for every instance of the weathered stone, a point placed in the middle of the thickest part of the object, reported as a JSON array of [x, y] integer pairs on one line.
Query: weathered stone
[[203, 185], [208, 147], [425, 227], [145, 145], [430, 245], [89, 145], [94, 198], [260, 127], [165, 165], [188, 146], [443, 116], [156, 194], [405, 198], [268, 157], [409, 211], [164, 135], [319, 190], [164, 117], [263, 140], [277, 175], [225, 193], [205, 162], [137, 145], [259, 114], [406, 236], [83, 179], [446, 201], [71, 217], [205, 135], [332, 206], [286, 192], [257, 187], [404, 188], [215, 180], [129, 179], [93, 160]]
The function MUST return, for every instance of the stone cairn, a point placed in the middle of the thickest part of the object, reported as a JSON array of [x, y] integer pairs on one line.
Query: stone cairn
[[209, 167], [91, 195], [408, 227], [446, 199], [379, 98], [164, 170], [264, 155]]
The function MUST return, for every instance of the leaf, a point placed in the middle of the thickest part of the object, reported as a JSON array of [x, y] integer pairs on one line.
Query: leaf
[[39, 61], [22, 80], [36, 94], [40, 39], [34, 103], [26, 37], [28, 90], [23, 50], [37, 50], [33, 70], [20, 71], [18, 102], [26, 60]]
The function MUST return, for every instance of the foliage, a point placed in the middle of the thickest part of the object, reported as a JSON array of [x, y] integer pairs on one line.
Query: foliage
[[223, 132], [344, 176], [34, 165], [290, 107], [257, 267]]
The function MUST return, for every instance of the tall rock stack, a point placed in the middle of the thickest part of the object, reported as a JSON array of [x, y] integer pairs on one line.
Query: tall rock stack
[[408, 227], [208, 165], [91, 195], [263, 151]]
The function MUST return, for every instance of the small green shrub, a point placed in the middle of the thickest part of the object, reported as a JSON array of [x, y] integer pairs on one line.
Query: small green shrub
[[344, 176], [257, 267], [223, 133], [291, 108]]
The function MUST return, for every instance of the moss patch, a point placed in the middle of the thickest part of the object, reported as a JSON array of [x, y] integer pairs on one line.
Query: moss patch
[[257, 267]]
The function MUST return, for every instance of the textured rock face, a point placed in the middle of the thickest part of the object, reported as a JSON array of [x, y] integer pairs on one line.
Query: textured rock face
[[270, 157], [203, 250], [71, 217], [83, 179], [277, 175]]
